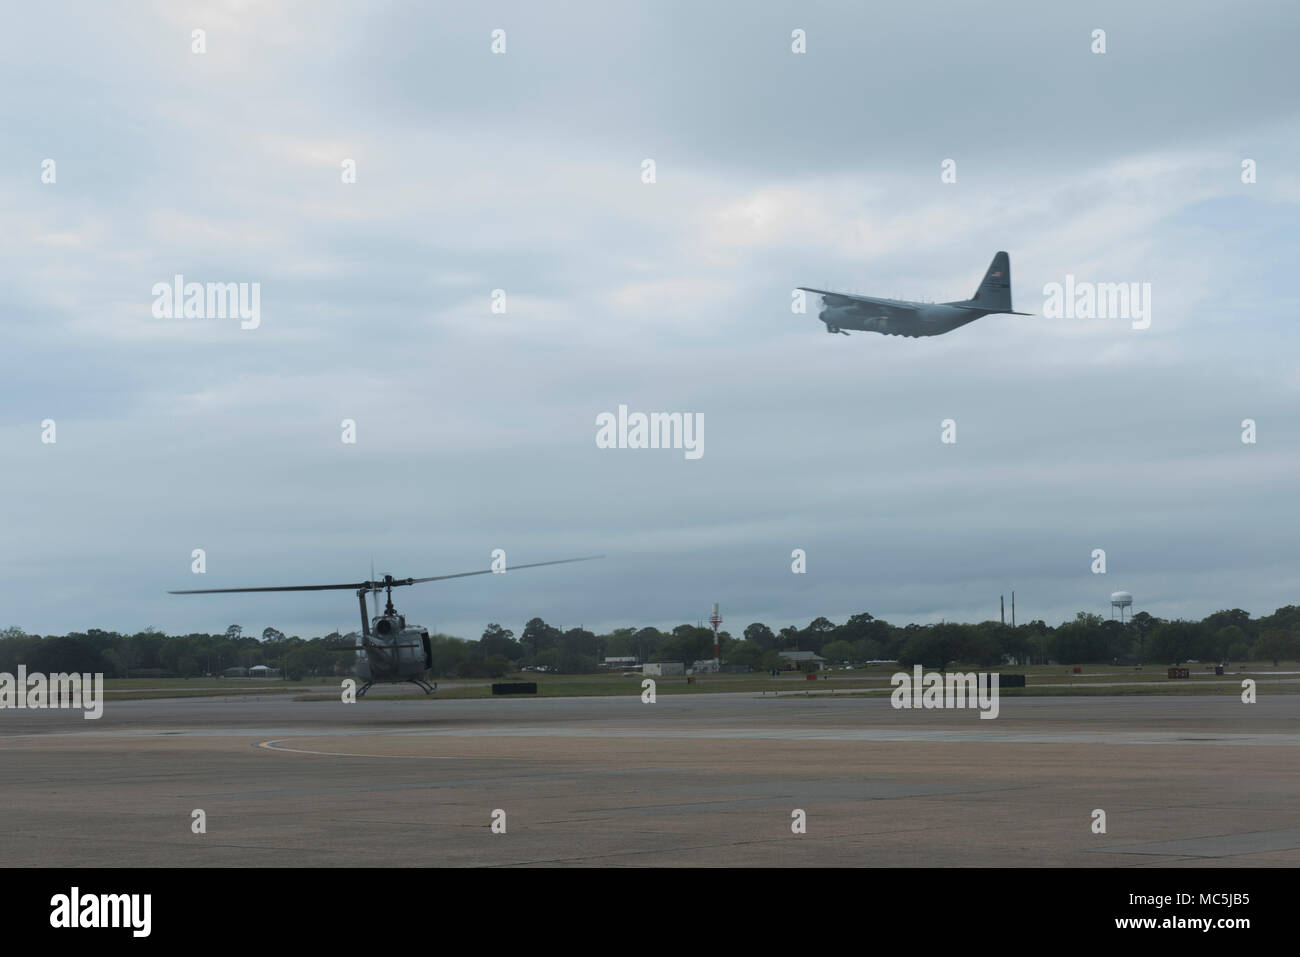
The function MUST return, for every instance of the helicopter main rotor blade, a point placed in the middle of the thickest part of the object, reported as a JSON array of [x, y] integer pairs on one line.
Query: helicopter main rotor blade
[[488, 571], [214, 591], [375, 586]]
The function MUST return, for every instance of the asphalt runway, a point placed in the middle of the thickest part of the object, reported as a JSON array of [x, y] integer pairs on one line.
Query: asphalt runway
[[699, 780]]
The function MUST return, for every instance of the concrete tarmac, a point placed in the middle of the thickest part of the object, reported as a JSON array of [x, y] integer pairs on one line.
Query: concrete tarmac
[[699, 780]]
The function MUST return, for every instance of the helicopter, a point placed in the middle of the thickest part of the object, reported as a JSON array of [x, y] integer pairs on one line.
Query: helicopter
[[392, 651]]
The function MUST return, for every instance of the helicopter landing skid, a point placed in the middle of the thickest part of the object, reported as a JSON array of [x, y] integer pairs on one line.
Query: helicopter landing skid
[[422, 685]]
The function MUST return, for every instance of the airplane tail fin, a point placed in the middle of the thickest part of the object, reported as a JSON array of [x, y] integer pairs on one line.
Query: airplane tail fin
[[994, 292]]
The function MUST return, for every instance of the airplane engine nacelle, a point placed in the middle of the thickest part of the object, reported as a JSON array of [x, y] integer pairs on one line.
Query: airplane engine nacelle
[[837, 317]]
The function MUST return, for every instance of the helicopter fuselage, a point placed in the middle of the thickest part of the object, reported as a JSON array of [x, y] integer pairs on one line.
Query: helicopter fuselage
[[387, 649], [393, 651]]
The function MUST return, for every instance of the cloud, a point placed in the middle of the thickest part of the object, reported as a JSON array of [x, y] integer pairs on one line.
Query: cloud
[[476, 429]]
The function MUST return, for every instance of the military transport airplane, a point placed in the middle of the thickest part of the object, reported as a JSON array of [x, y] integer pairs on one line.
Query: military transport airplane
[[898, 317]]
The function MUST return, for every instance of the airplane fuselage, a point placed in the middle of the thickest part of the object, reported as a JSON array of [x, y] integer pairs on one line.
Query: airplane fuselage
[[907, 319], [843, 311]]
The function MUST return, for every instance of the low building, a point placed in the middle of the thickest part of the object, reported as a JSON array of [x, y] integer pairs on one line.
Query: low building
[[620, 663], [664, 668], [802, 661]]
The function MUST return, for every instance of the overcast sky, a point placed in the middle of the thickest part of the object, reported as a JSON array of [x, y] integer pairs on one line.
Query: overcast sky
[[522, 171]]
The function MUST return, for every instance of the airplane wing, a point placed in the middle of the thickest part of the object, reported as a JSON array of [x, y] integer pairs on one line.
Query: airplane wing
[[981, 309], [844, 299]]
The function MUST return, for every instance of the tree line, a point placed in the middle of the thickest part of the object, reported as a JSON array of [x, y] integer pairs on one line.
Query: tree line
[[1225, 636]]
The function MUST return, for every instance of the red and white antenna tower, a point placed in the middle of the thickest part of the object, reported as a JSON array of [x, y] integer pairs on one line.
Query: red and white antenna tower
[[715, 620]]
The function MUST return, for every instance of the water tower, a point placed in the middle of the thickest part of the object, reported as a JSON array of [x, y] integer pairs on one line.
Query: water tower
[[1121, 600]]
